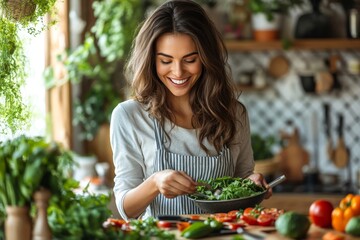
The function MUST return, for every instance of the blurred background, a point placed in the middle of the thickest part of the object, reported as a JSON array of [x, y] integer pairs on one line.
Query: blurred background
[[298, 74]]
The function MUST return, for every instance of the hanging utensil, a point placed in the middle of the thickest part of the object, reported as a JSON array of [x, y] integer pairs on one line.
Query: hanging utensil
[[341, 153], [327, 123]]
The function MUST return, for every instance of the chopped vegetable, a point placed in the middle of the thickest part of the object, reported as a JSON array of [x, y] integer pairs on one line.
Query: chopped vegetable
[[231, 188]]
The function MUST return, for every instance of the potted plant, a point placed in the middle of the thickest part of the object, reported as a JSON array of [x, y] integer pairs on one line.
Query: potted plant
[[14, 113], [27, 165], [266, 17], [266, 161]]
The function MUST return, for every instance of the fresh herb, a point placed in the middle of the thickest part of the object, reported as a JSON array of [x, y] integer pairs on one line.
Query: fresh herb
[[147, 229], [231, 188]]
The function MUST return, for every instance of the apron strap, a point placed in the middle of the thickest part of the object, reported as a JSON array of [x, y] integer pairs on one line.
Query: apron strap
[[159, 135]]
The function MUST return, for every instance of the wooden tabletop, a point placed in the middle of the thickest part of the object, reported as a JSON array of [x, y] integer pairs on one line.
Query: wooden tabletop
[[270, 233]]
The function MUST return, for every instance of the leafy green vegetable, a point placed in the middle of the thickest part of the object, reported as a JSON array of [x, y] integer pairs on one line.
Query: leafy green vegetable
[[231, 188]]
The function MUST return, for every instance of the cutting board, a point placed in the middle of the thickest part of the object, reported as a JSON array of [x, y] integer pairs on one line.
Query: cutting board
[[293, 157]]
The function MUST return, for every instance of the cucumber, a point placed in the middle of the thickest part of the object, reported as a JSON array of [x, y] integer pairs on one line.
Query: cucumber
[[293, 225], [197, 230]]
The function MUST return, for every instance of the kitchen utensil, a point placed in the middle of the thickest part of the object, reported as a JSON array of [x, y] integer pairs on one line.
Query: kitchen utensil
[[324, 82], [307, 80], [278, 66], [293, 156], [341, 153], [327, 123], [216, 206], [254, 236]]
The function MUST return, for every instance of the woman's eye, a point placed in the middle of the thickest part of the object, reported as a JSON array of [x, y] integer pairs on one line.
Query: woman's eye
[[165, 62], [189, 60]]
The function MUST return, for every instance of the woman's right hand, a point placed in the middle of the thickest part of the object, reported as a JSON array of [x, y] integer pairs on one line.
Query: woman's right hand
[[173, 183]]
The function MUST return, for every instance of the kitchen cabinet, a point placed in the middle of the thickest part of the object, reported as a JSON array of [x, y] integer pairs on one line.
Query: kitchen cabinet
[[308, 44]]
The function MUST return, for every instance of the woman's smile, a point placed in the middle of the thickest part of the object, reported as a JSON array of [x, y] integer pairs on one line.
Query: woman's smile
[[179, 81], [178, 64]]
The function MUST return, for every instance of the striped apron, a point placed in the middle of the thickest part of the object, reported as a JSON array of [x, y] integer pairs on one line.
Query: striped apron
[[197, 167]]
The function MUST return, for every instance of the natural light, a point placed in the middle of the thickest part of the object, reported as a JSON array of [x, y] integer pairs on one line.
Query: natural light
[[34, 89]]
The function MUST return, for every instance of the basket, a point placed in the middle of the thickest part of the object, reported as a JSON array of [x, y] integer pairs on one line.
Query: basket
[[267, 166], [19, 9]]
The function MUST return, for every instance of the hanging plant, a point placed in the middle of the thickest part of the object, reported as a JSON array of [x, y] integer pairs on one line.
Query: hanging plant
[[28, 13], [16, 15], [14, 114]]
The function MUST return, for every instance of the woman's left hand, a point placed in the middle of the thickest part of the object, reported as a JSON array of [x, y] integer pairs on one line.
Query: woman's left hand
[[259, 179]]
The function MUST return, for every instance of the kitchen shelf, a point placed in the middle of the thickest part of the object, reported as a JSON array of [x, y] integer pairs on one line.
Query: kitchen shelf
[[308, 44]]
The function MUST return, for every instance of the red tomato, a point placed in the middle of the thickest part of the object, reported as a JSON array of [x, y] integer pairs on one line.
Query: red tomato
[[233, 214], [182, 225], [265, 220], [195, 217], [116, 222], [320, 213], [249, 219], [223, 217], [234, 225], [164, 224]]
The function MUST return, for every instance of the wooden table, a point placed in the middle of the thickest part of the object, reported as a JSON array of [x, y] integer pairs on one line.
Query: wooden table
[[270, 233]]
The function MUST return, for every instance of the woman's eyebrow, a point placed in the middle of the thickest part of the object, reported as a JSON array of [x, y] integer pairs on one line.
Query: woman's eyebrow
[[169, 56]]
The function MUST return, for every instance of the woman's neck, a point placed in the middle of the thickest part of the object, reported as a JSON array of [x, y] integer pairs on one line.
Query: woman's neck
[[182, 111]]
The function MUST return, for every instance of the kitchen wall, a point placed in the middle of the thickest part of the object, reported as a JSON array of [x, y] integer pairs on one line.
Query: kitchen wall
[[284, 100]]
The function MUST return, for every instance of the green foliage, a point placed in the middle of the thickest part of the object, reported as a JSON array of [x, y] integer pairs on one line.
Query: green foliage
[[33, 21], [98, 62], [29, 163], [262, 146], [80, 216], [14, 113], [269, 7]]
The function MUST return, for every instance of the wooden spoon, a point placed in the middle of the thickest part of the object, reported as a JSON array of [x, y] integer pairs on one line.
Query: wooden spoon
[[341, 156]]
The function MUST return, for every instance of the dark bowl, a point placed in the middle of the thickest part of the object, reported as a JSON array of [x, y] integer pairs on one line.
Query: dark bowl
[[221, 206]]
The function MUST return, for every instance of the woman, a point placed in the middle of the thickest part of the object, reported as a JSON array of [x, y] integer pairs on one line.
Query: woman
[[184, 123]]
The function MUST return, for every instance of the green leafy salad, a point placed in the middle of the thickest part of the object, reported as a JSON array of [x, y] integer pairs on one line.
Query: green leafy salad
[[230, 188]]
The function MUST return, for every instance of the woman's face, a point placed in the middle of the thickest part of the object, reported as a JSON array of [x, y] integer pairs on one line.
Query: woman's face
[[178, 63]]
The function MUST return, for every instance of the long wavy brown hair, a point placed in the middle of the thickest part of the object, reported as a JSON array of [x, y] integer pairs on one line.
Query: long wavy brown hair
[[212, 98]]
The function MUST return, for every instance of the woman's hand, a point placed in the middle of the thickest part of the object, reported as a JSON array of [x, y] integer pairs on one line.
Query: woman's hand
[[173, 183], [259, 179]]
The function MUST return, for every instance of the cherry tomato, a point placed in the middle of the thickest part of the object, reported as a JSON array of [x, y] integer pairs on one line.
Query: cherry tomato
[[195, 217], [164, 224], [116, 222], [233, 214], [320, 213], [265, 220], [249, 219], [223, 217], [182, 225], [234, 225]]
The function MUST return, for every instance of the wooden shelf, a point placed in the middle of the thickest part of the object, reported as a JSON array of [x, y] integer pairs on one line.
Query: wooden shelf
[[309, 44]]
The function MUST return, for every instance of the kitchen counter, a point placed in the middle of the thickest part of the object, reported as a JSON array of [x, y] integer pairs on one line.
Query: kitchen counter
[[299, 202], [269, 233]]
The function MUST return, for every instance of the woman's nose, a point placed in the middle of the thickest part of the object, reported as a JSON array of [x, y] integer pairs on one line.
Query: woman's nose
[[177, 69]]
